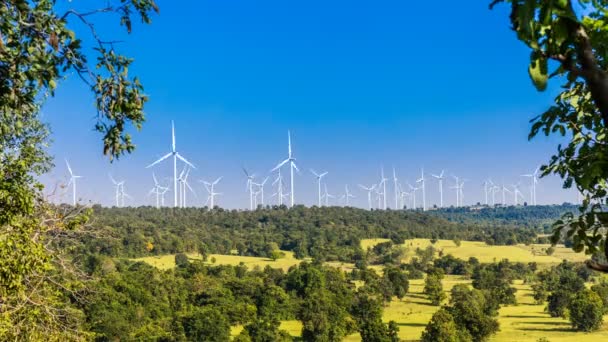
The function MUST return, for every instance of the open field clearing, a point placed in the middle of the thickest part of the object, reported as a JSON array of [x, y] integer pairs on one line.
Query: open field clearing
[[487, 253], [167, 261]]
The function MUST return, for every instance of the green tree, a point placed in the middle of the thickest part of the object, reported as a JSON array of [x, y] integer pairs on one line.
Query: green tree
[[367, 310], [434, 289], [441, 328], [473, 312], [37, 49], [586, 311], [398, 281], [206, 324], [572, 39]]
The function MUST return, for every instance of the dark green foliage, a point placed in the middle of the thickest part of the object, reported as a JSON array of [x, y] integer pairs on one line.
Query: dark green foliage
[[441, 328], [496, 278], [181, 260], [323, 233], [452, 265], [586, 311], [398, 281], [206, 324], [557, 285]]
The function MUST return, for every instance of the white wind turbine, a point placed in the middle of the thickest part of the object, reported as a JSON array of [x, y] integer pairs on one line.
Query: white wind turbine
[[318, 177], [421, 181], [516, 194], [279, 182], [457, 188], [159, 191], [534, 179], [292, 165], [383, 185], [250, 178], [485, 189], [210, 187], [369, 194], [183, 181], [396, 188], [176, 156], [403, 195], [123, 194], [413, 194], [504, 190], [327, 195], [260, 191], [72, 181], [117, 185], [347, 195], [440, 180]]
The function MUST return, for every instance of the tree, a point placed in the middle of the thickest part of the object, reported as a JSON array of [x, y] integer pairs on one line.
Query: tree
[[473, 312], [586, 311], [572, 41], [441, 328], [38, 48], [181, 260], [367, 310], [434, 289], [206, 324], [398, 281]]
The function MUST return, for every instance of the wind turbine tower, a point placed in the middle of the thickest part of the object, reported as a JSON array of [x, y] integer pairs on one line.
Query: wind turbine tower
[[440, 180], [369, 194], [421, 181]]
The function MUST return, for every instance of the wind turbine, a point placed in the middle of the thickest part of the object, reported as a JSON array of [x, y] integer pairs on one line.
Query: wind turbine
[[516, 194], [369, 193], [440, 180], [421, 181], [485, 189], [457, 187], [210, 187], [117, 185], [347, 195], [319, 177], [260, 190], [413, 193], [250, 178], [396, 189], [72, 181], [279, 182], [176, 156], [292, 165], [504, 189], [183, 179], [534, 178], [383, 185], [158, 190], [123, 194], [327, 196]]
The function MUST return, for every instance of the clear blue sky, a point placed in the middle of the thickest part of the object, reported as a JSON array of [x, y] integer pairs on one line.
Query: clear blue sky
[[409, 84]]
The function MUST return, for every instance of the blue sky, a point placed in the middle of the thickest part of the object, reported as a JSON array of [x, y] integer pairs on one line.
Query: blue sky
[[360, 84]]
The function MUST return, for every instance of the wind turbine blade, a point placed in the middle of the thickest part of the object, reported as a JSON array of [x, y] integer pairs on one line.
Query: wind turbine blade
[[155, 180], [323, 174], [190, 188], [280, 165], [289, 142], [160, 160], [295, 166], [185, 161], [172, 136], [314, 173], [68, 165], [112, 179], [218, 180]]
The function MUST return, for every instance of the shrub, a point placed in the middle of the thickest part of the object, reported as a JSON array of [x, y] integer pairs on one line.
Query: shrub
[[181, 260], [441, 328], [586, 311], [434, 289]]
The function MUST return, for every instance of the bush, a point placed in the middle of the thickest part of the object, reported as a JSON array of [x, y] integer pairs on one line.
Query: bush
[[550, 250], [602, 291], [586, 311], [558, 302]]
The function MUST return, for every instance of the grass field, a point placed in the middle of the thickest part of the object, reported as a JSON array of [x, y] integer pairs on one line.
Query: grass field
[[486, 253], [164, 262]]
